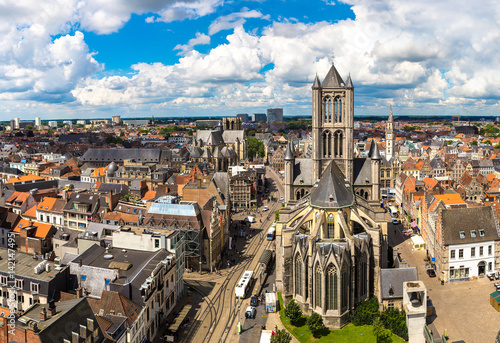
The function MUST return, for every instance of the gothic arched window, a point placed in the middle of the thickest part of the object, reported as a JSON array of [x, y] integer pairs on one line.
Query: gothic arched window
[[364, 274], [338, 144], [298, 275], [331, 288], [317, 284], [327, 109], [331, 226], [337, 105]]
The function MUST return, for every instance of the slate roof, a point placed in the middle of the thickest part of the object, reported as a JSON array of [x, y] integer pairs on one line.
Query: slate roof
[[467, 219], [333, 78], [119, 155], [115, 301], [230, 136], [303, 170], [394, 278], [333, 189], [69, 315], [209, 137], [362, 171]]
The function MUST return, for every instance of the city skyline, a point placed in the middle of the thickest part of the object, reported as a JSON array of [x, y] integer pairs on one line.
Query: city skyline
[[213, 58]]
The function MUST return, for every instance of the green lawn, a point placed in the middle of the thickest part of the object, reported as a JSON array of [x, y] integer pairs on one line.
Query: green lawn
[[348, 333]]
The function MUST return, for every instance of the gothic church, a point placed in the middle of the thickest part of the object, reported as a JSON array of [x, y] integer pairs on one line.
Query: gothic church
[[331, 235]]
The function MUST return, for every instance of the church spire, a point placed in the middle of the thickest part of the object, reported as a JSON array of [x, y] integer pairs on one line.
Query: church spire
[[391, 119], [348, 83], [316, 83]]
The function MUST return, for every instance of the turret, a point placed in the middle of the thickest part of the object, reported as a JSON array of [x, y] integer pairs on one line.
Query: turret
[[375, 159], [289, 166]]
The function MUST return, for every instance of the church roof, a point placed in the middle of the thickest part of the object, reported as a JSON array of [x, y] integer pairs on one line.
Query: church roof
[[303, 171], [362, 171], [375, 155], [348, 83], [333, 189], [333, 78], [289, 154], [316, 83]]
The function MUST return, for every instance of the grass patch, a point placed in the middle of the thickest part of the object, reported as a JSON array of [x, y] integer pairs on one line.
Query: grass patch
[[349, 333]]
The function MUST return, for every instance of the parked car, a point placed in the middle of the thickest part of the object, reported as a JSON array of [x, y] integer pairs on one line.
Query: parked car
[[431, 272], [250, 312], [254, 301], [395, 221], [265, 208]]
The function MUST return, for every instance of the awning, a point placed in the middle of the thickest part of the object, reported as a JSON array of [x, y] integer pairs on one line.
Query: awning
[[266, 257], [414, 224], [180, 318]]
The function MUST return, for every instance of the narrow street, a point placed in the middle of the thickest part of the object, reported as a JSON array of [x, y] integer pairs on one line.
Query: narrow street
[[215, 309]]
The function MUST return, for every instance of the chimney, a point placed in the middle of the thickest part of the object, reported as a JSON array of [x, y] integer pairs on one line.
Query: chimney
[[75, 337], [79, 292], [52, 308], [80, 263], [117, 273], [43, 314]]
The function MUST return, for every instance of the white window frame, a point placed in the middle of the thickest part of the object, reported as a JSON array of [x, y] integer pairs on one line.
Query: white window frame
[[3, 280], [35, 287]]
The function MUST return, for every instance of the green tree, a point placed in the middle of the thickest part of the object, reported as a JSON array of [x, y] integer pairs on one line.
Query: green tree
[[29, 127], [293, 311], [449, 142], [473, 143], [282, 336], [487, 142], [315, 324], [365, 312], [497, 146], [255, 148]]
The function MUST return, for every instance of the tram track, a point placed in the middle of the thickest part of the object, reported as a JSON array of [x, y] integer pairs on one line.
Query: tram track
[[223, 300]]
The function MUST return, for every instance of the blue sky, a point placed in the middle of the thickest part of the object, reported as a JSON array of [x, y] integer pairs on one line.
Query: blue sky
[[95, 59]]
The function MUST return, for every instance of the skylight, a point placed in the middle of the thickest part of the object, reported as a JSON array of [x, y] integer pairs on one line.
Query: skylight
[[481, 232], [462, 234], [473, 233]]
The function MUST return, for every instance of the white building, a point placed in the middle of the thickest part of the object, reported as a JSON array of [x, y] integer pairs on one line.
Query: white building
[[469, 241], [80, 122], [53, 123], [17, 123], [38, 123]]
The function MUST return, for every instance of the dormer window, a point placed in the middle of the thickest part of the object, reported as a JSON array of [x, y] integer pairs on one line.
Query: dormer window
[[481, 233], [473, 233], [331, 197], [462, 234]]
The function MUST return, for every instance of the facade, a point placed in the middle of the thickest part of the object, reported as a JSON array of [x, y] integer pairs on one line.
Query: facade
[[243, 190], [274, 115], [244, 117], [258, 117], [79, 210], [467, 242], [116, 120]]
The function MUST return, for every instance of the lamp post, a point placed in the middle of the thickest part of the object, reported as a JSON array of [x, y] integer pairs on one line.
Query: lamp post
[[239, 316]]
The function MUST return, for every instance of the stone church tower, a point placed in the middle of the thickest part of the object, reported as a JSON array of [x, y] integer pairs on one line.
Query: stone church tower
[[333, 122], [389, 137]]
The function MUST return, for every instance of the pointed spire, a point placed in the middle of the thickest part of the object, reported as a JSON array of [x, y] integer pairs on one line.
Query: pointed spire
[[333, 78], [289, 154], [391, 119], [371, 148], [316, 83], [376, 152], [348, 83]]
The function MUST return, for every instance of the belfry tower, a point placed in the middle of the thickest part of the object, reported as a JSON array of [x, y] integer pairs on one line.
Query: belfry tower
[[389, 137], [333, 123]]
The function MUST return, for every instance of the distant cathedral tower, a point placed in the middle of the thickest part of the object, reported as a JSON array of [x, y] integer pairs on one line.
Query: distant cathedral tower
[[389, 137], [333, 122]]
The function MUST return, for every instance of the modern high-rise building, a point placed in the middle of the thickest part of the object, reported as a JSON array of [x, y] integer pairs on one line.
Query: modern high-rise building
[[243, 116], [38, 123], [258, 117], [17, 123], [12, 125], [116, 119], [274, 115], [53, 123]]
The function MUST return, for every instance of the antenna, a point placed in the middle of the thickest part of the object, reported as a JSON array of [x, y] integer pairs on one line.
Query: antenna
[[333, 57]]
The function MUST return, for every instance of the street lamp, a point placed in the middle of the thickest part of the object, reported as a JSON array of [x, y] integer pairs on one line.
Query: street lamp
[[239, 316]]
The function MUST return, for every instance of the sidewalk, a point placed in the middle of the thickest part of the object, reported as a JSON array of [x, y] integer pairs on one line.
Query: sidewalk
[[273, 320]]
